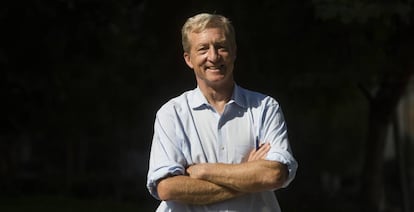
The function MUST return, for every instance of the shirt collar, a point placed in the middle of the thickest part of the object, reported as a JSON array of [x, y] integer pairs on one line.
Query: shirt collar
[[239, 96], [197, 98]]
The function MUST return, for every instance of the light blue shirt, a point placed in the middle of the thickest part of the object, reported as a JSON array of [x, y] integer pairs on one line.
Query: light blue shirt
[[188, 130]]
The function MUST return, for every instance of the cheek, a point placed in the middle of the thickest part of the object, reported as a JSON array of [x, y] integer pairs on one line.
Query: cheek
[[229, 60], [198, 60]]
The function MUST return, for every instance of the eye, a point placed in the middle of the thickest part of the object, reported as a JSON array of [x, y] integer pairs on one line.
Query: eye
[[222, 48], [202, 49]]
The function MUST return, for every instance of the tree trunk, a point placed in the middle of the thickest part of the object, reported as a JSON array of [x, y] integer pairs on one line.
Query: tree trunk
[[373, 187], [402, 168], [382, 108], [383, 105]]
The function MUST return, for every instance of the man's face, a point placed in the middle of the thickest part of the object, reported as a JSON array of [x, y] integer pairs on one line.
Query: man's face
[[211, 57]]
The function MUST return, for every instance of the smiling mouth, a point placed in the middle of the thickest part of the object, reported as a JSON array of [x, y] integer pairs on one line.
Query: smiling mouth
[[215, 68]]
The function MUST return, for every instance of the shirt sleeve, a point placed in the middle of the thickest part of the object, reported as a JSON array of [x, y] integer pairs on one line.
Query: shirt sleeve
[[166, 157], [274, 131]]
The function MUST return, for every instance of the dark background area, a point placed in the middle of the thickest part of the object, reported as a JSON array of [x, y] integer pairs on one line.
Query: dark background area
[[81, 81]]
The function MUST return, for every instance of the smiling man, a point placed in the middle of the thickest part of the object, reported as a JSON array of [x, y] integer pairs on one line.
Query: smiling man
[[219, 147]]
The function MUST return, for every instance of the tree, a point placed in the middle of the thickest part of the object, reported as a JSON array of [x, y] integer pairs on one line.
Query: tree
[[389, 27]]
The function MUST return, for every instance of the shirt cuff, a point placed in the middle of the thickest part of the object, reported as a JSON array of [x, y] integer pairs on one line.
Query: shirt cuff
[[287, 159], [159, 174]]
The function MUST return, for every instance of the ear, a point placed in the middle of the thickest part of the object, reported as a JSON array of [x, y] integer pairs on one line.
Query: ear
[[187, 59]]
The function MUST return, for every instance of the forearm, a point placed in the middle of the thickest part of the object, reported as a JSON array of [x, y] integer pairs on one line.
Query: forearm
[[252, 176], [193, 191]]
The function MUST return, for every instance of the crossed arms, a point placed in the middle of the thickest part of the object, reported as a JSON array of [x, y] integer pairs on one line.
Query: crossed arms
[[208, 183]]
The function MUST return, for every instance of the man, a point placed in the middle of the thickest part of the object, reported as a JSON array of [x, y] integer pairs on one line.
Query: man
[[218, 147]]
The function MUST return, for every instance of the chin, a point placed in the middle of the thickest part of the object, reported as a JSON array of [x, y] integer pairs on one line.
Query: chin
[[217, 79]]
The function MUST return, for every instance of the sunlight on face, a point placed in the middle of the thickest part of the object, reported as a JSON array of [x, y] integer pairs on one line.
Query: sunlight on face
[[211, 56]]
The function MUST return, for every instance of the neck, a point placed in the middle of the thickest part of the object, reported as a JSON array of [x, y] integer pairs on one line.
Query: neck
[[217, 96]]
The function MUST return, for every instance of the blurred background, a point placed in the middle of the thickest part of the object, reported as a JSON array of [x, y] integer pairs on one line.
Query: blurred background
[[81, 81]]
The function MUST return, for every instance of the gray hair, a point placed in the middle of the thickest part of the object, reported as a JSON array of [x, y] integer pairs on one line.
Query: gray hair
[[203, 21]]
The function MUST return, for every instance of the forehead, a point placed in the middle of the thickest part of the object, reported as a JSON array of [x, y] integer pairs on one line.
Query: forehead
[[209, 35]]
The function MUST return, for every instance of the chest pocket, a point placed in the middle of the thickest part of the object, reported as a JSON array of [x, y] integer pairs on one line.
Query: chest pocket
[[240, 135], [240, 142], [241, 153]]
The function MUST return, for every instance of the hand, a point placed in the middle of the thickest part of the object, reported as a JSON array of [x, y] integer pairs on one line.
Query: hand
[[259, 153], [196, 170]]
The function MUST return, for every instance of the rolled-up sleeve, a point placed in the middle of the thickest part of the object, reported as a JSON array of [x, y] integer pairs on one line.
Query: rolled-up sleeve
[[274, 131], [287, 159], [166, 158]]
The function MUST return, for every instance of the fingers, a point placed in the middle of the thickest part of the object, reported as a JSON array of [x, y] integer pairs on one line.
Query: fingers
[[251, 155], [260, 153], [263, 150]]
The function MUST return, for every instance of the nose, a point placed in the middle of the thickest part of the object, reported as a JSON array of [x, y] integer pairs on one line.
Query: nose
[[213, 54]]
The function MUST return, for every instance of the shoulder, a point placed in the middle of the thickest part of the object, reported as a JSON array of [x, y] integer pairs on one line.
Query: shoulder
[[256, 98], [176, 104]]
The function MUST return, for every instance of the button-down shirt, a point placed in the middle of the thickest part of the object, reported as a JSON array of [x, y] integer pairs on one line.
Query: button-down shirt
[[188, 130]]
